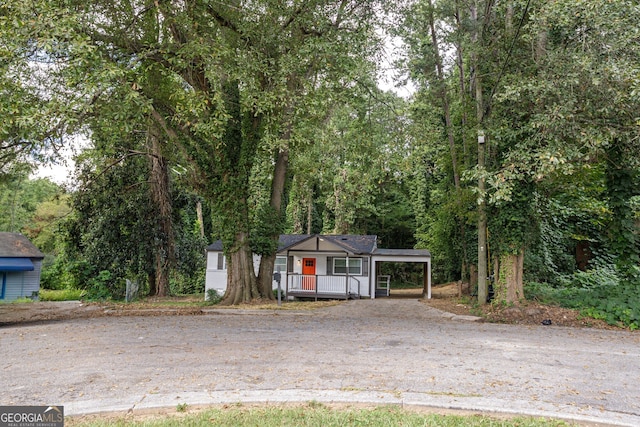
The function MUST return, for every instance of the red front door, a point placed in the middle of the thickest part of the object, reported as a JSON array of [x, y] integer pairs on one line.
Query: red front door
[[309, 274]]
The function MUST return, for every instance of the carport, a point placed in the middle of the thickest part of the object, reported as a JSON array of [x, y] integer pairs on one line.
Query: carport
[[421, 256]]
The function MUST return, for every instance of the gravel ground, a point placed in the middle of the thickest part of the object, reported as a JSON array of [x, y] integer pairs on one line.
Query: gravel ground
[[397, 351]]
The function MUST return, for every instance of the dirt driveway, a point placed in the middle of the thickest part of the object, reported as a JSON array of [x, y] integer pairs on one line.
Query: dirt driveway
[[396, 351]]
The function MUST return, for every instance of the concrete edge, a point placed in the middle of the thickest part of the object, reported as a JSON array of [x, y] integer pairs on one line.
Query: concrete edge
[[408, 399]]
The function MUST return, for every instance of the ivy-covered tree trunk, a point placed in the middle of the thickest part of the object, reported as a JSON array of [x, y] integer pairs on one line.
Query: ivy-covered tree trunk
[[229, 192], [267, 262], [241, 276], [164, 245], [621, 186], [508, 286]]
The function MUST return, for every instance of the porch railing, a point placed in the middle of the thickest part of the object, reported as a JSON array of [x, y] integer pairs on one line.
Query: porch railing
[[320, 286], [382, 286]]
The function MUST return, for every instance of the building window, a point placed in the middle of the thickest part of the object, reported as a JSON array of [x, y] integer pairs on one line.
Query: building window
[[280, 264], [340, 266]]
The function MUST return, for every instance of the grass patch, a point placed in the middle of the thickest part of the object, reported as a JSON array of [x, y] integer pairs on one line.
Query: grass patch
[[197, 301], [61, 295], [21, 300], [315, 414]]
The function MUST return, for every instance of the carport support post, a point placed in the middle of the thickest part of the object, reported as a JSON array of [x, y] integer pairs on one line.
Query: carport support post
[[426, 277]]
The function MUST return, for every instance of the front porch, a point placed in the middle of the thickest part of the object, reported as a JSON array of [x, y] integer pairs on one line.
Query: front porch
[[322, 286]]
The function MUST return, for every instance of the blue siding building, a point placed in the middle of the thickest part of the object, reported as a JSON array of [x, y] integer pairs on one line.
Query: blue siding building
[[20, 266]]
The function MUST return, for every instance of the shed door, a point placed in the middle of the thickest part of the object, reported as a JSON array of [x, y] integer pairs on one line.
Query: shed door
[[309, 274]]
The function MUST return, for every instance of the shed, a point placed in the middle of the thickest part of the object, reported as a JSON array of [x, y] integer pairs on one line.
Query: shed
[[20, 267]]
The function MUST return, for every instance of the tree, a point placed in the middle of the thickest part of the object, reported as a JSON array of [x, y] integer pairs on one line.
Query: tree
[[210, 79], [20, 197]]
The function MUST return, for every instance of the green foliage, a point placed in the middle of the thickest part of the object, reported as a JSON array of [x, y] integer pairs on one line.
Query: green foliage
[[61, 295], [22, 300], [213, 297], [600, 293], [20, 200], [104, 287], [61, 272]]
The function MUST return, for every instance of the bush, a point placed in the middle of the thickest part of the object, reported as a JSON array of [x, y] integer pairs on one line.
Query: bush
[[213, 297], [181, 284], [61, 295], [600, 293], [103, 287]]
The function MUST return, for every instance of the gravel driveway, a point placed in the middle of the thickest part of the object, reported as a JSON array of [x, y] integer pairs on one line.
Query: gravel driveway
[[371, 351]]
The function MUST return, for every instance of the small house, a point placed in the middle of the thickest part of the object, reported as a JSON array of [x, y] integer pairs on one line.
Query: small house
[[20, 265], [325, 266]]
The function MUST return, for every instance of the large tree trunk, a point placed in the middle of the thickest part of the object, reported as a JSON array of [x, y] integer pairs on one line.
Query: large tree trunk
[[230, 197], [508, 285], [164, 248], [241, 276], [265, 274]]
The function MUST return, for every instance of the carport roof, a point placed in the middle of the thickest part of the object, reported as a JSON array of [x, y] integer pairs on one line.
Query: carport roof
[[403, 252]]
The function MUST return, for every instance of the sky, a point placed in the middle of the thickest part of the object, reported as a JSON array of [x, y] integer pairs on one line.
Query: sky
[[62, 173]]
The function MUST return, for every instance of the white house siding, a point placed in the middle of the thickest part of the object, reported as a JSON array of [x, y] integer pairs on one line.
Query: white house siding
[[216, 278], [321, 268]]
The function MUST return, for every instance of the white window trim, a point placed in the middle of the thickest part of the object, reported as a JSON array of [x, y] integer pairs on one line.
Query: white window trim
[[347, 268], [280, 258]]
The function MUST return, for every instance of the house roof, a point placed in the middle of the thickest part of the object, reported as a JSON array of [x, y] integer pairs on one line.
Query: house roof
[[356, 244], [285, 241], [15, 245]]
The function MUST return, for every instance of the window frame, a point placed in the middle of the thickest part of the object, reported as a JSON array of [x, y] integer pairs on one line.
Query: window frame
[[347, 270], [283, 264]]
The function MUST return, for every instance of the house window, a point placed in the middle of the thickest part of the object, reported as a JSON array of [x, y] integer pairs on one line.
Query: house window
[[340, 266], [280, 264], [222, 262]]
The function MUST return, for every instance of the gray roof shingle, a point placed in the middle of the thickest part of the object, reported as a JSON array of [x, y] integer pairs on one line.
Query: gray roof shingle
[[15, 245]]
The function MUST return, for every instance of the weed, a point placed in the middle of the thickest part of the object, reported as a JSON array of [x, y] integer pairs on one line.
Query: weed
[[213, 297]]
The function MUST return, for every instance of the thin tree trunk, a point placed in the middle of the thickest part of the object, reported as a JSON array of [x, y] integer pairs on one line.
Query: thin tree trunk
[[200, 217], [480, 118], [309, 213], [164, 250], [461, 80], [444, 98]]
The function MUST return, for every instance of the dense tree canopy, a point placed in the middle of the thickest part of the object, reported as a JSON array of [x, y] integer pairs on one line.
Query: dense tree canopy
[[267, 112]]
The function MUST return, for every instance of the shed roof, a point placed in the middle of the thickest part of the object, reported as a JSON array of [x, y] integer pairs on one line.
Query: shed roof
[[15, 245]]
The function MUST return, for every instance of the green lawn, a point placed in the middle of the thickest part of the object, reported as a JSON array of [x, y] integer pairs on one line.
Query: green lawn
[[313, 414]]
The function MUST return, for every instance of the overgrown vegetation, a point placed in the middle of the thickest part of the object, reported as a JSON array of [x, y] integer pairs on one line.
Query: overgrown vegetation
[[207, 121], [61, 295], [597, 293]]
